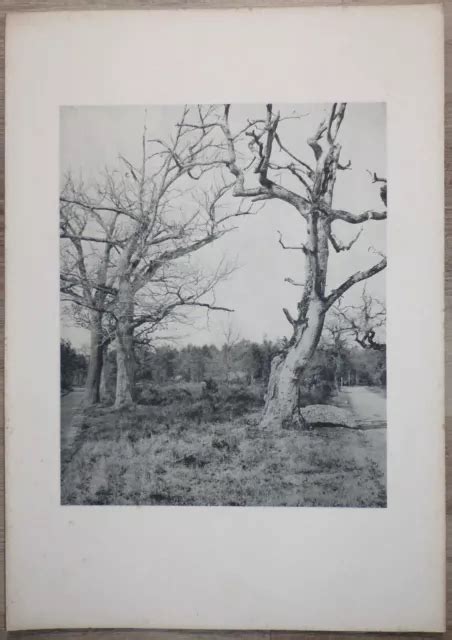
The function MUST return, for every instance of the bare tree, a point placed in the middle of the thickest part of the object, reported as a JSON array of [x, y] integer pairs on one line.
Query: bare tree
[[84, 284], [363, 321], [231, 339], [163, 211], [272, 161]]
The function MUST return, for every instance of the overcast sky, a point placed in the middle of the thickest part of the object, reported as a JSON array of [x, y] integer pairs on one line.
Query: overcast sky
[[93, 137]]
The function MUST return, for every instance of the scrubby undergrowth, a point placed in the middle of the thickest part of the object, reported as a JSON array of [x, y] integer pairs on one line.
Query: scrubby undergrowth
[[207, 449]]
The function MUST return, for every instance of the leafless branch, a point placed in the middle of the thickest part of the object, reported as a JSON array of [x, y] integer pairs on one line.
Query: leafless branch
[[290, 319], [347, 216], [295, 284], [339, 246], [300, 247], [354, 279]]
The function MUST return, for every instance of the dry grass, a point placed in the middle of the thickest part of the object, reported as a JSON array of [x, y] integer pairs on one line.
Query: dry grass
[[150, 456]]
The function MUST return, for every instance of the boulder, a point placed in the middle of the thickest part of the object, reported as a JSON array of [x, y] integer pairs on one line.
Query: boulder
[[328, 415]]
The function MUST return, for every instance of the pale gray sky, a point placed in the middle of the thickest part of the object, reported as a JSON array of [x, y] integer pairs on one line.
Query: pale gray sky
[[93, 137]]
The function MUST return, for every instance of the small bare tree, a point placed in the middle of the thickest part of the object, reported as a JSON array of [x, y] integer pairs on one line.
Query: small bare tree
[[231, 339], [363, 321]]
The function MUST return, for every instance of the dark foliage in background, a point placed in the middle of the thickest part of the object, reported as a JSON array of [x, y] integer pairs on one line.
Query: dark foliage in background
[[168, 374], [73, 366]]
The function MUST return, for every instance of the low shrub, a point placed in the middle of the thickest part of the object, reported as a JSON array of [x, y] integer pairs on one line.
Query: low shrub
[[240, 399], [210, 386], [199, 411], [319, 393], [167, 395], [226, 443], [150, 396]]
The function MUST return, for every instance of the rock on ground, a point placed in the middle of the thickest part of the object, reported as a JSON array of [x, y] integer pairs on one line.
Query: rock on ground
[[317, 414]]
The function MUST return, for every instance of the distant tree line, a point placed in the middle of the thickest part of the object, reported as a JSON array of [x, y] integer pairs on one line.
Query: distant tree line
[[335, 363], [249, 362]]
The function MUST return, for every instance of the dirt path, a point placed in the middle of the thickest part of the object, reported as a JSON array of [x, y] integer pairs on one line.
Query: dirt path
[[368, 404], [69, 406]]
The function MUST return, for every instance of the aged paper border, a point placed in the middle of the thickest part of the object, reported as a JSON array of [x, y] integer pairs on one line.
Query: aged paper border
[[40, 5]]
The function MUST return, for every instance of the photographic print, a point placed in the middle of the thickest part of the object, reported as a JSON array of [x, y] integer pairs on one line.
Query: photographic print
[[223, 308]]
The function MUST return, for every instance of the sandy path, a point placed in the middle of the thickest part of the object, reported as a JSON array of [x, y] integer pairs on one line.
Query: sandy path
[[368, 404]]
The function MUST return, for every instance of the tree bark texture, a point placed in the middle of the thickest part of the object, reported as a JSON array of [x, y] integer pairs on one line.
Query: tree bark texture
[[125, 357]]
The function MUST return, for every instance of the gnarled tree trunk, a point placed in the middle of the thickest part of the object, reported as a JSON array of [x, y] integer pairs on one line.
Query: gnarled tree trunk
[[282, 400], [106, 369], [125, 357]]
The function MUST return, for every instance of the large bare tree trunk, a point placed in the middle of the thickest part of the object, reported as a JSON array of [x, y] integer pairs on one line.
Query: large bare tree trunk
[[282, 400], [92, 385], [106, 368], [125, 357]]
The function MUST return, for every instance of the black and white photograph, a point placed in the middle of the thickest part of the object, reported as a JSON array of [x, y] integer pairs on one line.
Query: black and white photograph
[[223, 305]]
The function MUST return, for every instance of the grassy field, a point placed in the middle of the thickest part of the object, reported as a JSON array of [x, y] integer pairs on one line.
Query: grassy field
[[194, 450]]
